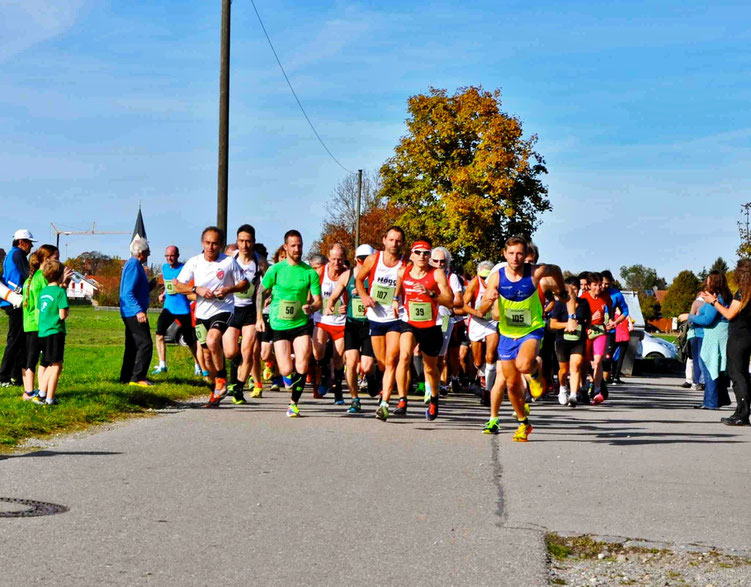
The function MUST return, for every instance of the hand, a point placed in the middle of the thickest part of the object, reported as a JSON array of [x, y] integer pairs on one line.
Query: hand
[[308, 309], [596, 316], [610, 325], [222, 292], [395, 308], [420, 288], [367, 301], [260, 325], [67, 274], [709, 298], [683, 317], [161, 298], [205, 293], [343, 309], [329, 311], [571, 325], [141, 317]]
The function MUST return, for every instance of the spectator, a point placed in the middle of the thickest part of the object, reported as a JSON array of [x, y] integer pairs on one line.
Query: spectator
[[15, 272], [134, 303]]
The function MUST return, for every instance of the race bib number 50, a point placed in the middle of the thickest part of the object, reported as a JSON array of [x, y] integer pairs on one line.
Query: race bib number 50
[[288, 310]]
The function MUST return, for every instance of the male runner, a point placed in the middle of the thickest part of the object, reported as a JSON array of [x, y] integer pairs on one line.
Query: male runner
[[176, 307], [329, 326], [570, 347], [289, 283], [483, 330], [601, 308], [358, 349], [424, 288], [521, 325], [216, 277], [244, 321], [381, 270]]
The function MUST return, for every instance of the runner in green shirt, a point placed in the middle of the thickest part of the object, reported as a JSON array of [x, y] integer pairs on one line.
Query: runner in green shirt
[[291, 284]]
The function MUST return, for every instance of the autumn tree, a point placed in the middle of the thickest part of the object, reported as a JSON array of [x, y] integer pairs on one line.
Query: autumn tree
[[340, 226], [650, 307], [640, 278], [464, 176], [681, 294]]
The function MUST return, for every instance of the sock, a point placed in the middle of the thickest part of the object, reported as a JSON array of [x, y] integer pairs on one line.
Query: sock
[[222, 374], [49, 400], [297, 385], [373, 386], [338, 376], [525, 421], [489, 375], [419, 366], [384, 404], [233, 372], [162, 364], [42, 394]]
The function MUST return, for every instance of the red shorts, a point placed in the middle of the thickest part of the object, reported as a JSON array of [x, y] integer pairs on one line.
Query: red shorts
[[335, 332]]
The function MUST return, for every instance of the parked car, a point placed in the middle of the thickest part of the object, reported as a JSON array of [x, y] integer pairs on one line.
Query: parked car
[[651, 328], [653, 347]]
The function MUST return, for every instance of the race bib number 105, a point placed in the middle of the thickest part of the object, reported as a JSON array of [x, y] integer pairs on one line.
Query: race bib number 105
[[520, 317]]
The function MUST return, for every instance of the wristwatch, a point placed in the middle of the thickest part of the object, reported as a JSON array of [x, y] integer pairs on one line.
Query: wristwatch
[[572, 317], [193, 289]]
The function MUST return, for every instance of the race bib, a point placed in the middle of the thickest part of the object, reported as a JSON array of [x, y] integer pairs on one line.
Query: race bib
[[289, 310], [201, 333], [358, 308], [383, 294], [595, 331], [337, 305], [169, 287], [573, 336], [445, 320], [245, 295], [421, 311], [521, 317]]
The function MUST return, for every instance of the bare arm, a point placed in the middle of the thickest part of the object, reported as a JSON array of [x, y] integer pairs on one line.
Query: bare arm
[[469, 296], [341, 285], [367, 301], [445, 297], [490, 295], [551, 278], [397, 292], [728, 313]]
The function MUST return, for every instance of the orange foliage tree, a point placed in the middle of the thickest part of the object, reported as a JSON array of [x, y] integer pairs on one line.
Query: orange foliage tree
[[464, 176]]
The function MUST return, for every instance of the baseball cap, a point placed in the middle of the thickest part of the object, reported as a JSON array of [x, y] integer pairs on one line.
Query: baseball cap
[[364, 250], [23, 234]]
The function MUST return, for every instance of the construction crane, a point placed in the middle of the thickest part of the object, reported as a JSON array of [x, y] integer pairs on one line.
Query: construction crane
[[93, 231]]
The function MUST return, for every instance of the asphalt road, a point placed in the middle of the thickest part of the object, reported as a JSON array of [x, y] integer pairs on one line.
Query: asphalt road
[[245, 495]]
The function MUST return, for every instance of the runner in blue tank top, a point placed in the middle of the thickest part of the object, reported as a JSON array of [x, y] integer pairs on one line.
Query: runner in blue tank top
[[521, 326]]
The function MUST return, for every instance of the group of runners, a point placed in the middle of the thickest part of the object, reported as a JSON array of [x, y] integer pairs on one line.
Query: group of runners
[[392, 320]]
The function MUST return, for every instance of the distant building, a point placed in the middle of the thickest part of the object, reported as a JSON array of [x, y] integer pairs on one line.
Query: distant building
[[82, 287]]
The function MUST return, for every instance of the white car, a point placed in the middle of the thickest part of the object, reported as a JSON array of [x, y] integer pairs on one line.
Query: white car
[[652, 347]]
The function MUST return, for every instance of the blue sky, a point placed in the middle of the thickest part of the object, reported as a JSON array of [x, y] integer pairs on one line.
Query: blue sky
[[641, 110]]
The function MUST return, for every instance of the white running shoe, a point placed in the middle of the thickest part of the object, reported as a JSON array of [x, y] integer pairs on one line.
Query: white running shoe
[[572, 399], [563, 396]]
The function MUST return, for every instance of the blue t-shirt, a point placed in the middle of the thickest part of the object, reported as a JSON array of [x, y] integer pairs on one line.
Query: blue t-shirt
[[175, 303]]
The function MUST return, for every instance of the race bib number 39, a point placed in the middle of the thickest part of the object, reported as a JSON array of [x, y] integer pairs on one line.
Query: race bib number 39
[[288, 310], [421, 312], [520, 317], [358, 309], [169, 287], [383, 294]]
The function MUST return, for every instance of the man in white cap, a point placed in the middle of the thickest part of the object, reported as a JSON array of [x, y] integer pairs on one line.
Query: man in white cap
[[15, 272]]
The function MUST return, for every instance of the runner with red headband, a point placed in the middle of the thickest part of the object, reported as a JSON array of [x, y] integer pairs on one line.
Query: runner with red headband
[[423, 288]]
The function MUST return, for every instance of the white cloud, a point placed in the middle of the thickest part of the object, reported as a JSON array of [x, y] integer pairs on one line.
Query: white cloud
[[25, 23]]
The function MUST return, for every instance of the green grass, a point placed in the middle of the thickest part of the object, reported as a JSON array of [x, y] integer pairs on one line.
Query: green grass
[[668, 337], [89, 390]]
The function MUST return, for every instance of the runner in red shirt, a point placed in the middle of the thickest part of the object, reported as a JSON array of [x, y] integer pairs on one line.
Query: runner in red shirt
[[601, 307]]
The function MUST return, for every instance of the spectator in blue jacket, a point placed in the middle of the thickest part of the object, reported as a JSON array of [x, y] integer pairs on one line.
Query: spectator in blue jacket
[[134, 303], [619, 303], [15, 272]]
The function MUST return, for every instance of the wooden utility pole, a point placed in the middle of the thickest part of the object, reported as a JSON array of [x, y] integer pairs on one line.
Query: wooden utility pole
[[223, 172], [359, 203]]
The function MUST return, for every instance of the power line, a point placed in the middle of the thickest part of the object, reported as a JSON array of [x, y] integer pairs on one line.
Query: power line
[[284, 73]]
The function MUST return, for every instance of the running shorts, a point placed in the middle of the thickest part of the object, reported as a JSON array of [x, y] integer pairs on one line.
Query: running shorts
[[268, 333], [564, 349], [429, 339], [357, 338], [243, 316], [32, 350], [478, 331], [335, 332], [381, 328], [596, 347], [292, 333], [508, 348]]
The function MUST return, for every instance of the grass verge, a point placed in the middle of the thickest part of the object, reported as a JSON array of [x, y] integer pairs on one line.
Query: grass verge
[[89, 390]]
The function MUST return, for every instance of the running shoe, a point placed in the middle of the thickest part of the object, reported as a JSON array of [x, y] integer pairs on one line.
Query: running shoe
[[526, 412], [158, 370], [522, 432], [143, 383], [237, 394], [684, 385], [197, 371], [29, 396], [287, 382], [598, 399], [562, 396], [492, 427], [444, 389], [572, 400], [536, 385], [322, 390], [354, 407], [432, 412], [293, 411], [38, 400], [426, 397], [339, 402], [220, 387], [382, 413], [214, 401], [268, 373], [51, 402], [401, 407], [483, 382], [257, 393]]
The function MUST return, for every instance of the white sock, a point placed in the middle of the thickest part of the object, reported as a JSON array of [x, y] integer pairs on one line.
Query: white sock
[[489, 375], [42, 395], [49, 400], [162, 364], [385, 404]]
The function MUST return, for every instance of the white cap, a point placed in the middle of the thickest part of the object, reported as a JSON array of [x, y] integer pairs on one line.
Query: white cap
[[23, 234], [363, 250]]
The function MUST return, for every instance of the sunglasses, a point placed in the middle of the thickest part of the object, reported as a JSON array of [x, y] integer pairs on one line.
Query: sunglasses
[[422, 253], [440, 261]]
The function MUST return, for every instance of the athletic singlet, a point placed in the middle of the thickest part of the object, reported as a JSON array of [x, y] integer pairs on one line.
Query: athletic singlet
[[247, 298], [479, 293], [355, 308], [420, 310], [455, 285], [382, 288], [519, 307], [327, 288]]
